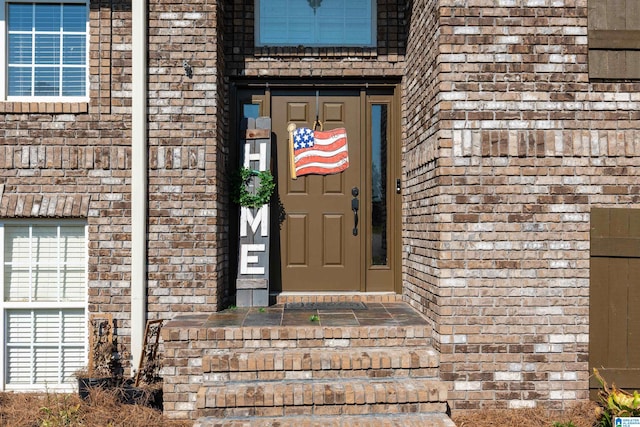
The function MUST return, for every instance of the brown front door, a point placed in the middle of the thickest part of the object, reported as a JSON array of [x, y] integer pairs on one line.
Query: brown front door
[[320, 245], [320, 250]]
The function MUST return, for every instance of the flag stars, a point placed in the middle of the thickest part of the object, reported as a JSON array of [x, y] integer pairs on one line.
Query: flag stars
[[303, 138]]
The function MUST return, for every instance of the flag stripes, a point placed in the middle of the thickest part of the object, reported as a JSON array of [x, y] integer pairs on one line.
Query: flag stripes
[[320, 152]]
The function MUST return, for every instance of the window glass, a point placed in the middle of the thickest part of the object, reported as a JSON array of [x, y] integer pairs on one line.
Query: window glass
[[379, 184], [250, 111], [316, 23], [47, 49], [44, 264]]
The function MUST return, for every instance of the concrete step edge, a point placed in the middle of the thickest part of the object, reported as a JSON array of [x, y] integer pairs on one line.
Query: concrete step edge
[[400, 420]]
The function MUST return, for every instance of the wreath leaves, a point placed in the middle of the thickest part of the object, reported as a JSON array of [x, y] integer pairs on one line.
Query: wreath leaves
[[263, 193]]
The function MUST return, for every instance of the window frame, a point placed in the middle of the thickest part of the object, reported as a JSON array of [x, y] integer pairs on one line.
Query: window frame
[[4, 52], [6, 306], [373, 44]]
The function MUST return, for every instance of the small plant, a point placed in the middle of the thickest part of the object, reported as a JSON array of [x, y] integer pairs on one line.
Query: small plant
[[232, 307], [567, 424], [615, 402], [60, 412], [262, 310], [314, 318]]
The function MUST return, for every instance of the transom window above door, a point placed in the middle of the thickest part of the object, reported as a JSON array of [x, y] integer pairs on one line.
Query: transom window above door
[[320, 23]]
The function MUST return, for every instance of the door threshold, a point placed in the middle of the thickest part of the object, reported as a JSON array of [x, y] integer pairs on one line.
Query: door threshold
[[298, 297]]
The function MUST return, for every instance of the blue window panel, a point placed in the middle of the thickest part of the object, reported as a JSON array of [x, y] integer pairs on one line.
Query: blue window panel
[[250, 111], [20, 17], [47, 81], [331, 23], [73, 82], [74, 50], [20, 48], [47, 49], [48, 17], [74, 18], [19, 80]]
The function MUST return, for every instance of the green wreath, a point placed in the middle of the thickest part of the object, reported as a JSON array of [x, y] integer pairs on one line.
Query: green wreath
[[263, 193]]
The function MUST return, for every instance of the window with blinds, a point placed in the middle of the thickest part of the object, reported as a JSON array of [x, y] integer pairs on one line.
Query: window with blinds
[[316, 23], [46, 49], [44, 304]]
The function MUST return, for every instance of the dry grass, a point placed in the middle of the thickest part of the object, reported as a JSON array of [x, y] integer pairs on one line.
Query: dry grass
[[583, 414], [103, 409]]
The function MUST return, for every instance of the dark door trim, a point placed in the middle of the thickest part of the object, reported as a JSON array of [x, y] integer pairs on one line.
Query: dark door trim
[[258, 92]]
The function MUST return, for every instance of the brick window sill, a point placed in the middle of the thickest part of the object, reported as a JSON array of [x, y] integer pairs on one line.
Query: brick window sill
[[320, 52], [44, 107]]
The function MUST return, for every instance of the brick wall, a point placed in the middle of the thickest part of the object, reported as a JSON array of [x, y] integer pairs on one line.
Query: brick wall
[[188, 235], [245, 60], [73, 161], [421, 236], [526, 145]]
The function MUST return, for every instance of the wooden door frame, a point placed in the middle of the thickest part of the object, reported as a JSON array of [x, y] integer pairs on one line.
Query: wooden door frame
[[260, 92]]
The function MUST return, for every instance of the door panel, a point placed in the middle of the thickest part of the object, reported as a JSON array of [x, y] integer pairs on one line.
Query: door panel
[[321, 253], [297, 245]]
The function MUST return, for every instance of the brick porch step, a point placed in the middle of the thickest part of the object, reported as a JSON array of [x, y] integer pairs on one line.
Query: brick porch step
[[398, 362], [378, 420], [276, 367], [285, 297], [276, 398]]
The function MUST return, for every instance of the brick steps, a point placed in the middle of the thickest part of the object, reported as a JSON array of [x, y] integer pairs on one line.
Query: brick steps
[[378, 420], [398, 362], [308, 396], [325, 337], [344, 384], [275, 367]]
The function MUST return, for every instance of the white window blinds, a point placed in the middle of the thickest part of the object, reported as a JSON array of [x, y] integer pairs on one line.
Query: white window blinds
[[44, 304]]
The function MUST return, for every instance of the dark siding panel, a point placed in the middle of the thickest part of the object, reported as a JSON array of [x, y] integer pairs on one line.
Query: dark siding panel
[[614, 39], [614, 300]]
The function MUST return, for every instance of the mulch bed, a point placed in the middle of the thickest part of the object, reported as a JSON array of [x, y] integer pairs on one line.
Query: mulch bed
[[103, 408], [582, 414]]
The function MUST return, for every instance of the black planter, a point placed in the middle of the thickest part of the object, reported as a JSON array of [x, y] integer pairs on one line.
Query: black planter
[[151, 397], [85, 384]]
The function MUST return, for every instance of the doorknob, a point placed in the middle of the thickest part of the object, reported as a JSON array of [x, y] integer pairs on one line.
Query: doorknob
[[355, 205]]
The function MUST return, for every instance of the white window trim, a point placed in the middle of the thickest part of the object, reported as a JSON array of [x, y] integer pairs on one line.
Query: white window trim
[[4, 59], [84, 305]]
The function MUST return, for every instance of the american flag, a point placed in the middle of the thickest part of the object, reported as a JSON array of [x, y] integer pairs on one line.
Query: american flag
[[320, 152]]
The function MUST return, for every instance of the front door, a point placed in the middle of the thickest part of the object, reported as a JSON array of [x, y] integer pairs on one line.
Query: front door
[[320, 240], [324, 244]]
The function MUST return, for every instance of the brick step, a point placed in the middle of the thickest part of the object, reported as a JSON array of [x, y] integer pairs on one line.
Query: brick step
[[289, 361], [377, 420], [287, 297], [312, 337], [278, 398]]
